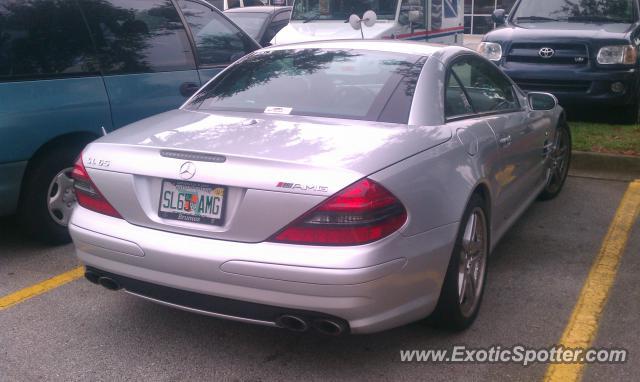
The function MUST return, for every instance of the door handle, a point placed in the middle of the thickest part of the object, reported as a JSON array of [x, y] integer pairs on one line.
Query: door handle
[[188, 88], [505, 141]]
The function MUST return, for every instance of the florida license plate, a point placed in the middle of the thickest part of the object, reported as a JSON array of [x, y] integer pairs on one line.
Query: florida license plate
[[192, 202]]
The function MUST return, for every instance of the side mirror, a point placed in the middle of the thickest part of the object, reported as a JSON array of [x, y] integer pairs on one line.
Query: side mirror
[[499, 16], [542, 101]]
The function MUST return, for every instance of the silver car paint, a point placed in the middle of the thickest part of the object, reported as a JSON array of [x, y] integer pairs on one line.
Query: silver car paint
[[432, 166], [360, 284], [302, 150]]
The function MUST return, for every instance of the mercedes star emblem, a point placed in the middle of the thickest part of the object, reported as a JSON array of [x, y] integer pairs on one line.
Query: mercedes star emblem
[[187, 170]]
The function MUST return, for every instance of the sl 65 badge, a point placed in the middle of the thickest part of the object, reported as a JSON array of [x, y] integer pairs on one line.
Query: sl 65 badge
[[98, 162]]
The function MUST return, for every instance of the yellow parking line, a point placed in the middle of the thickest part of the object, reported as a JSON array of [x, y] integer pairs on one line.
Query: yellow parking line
[[583, 325], [40, 288]]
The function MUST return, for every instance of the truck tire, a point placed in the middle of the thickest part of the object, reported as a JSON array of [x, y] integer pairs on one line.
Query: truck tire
[[631, 113]]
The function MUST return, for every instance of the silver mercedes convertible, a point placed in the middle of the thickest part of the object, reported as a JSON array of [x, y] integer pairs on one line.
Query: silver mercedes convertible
[[345, 187]]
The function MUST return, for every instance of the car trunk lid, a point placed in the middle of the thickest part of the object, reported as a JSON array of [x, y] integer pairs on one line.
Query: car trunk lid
[[273, 168]]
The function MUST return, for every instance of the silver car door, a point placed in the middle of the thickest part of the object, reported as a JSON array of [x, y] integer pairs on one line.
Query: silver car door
[[491, 95], [540, 125], [533, 137]]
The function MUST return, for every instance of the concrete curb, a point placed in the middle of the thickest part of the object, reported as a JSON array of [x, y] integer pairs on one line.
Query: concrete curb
[[605, 166]]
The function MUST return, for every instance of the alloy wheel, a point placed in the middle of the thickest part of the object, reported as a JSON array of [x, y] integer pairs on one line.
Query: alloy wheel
[[61, 197], [472, 265], [559, 161]]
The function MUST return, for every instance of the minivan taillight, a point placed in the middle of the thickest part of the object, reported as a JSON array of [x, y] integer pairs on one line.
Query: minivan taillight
[[361, 213], [88, 194]]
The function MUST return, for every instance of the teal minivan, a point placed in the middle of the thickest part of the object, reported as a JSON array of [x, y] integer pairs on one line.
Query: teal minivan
[[73, 70]]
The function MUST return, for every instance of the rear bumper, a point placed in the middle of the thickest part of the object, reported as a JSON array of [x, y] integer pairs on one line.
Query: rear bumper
[[577, 87], [371, 287], [10, 182], [214, 306]]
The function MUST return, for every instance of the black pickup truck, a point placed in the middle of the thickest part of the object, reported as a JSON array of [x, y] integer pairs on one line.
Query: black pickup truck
[[585, 52]]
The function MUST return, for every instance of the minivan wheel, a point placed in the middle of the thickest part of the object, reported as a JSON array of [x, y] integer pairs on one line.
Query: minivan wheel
[[464, 281], [61, 197], [47, 197]]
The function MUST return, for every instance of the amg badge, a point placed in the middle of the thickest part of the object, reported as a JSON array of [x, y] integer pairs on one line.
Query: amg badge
[[302, 187]]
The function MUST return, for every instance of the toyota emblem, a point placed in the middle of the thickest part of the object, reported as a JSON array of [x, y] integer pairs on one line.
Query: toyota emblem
[[546, 52], [187, 170]]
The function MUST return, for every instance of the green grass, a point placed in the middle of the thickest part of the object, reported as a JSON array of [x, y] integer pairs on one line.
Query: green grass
[[604, 138]]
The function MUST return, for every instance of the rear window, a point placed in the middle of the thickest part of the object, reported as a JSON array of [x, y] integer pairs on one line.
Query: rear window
[[138, 36], [354, 84], [218, 41], [249, 22]]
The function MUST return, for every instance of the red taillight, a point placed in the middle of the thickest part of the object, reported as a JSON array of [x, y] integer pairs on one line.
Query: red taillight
[[88, 194], [359, 214]]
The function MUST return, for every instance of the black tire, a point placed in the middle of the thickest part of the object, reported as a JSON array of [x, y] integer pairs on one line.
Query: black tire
[[561, 160], [450, 312], [33, 210], [631, 114]]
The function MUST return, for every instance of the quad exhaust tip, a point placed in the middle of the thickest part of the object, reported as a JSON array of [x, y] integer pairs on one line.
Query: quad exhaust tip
[[293, 323], [325, 326], [328, 327], [92, 277], [108, 283]]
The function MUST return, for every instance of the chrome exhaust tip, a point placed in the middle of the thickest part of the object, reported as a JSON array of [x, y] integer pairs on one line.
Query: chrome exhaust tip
[[328, 327], [293, 323], [108, 283]]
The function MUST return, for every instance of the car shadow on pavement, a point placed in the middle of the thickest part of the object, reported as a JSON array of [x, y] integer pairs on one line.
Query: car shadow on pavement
[[25, 261], [13, 239], [265, 345]]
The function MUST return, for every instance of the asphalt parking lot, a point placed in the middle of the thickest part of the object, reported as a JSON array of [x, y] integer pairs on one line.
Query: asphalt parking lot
[[79, 331]]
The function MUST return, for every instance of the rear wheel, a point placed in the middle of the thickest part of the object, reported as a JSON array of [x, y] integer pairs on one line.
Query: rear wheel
[[463, 285], [560, 161], [48, 198]]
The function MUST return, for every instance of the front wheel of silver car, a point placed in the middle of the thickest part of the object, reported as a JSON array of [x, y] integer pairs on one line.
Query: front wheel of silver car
[[464, 282], [559, 162]]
